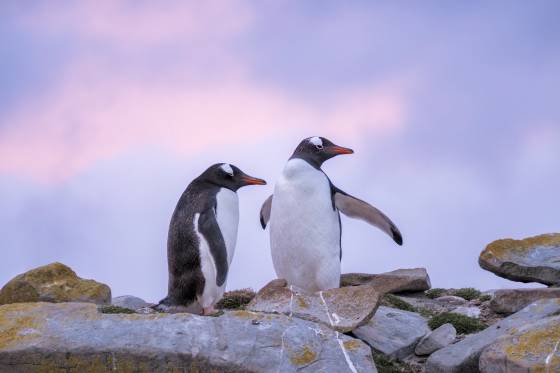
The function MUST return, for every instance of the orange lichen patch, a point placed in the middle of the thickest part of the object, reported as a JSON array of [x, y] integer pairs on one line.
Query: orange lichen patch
[[352, 345], [540, 342], [503, 248], [306, 357], [301, 302]]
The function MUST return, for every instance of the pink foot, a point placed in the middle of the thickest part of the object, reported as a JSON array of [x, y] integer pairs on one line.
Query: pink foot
[[208, 311]]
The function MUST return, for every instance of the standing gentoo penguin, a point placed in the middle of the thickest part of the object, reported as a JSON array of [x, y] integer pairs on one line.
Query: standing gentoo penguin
[[202, 236], [305, 231]]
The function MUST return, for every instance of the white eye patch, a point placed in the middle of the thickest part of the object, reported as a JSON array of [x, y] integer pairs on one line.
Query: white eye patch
[[316, 141], [227, 169]]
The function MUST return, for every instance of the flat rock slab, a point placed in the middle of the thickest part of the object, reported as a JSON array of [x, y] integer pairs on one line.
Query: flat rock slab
[[532, 348], [76, 337], [470, 311], [436, 340], [342, 309], [54, 282], [534, 259], [463, 356], [393, 332], [512, 300], [414, 279]]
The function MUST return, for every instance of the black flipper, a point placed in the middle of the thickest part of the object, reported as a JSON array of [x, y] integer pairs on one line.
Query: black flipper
[[210, 230], [356, 208], [265, 211]]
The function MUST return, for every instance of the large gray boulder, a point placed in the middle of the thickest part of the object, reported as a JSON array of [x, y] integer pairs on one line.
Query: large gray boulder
[[533, 259], [512, 300], [393, 332], [533, 348], [413, 279], [54, 282], [436, 340], [75, 337], [463, 356], [342, 309]]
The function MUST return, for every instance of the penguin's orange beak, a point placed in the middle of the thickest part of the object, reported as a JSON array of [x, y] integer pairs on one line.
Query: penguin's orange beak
[[336, 150], [249, 180]]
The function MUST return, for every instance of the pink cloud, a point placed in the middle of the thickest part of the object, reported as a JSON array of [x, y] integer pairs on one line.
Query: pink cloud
[[101, 106], [133, 22], [94, 115]]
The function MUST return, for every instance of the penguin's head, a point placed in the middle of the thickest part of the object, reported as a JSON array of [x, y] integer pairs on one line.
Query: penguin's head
[[317, 150], [229, 176]]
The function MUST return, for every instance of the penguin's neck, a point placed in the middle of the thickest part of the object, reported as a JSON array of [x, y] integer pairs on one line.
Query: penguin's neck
[[297, 168], [308, 158]]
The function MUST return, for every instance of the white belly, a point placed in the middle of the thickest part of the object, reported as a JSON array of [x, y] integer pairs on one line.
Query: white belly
[[227, 215], [304, 229]]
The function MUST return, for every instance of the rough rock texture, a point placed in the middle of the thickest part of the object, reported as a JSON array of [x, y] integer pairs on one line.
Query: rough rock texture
[[470, 311], [130, 302], [54, 282], [532, 348], [438, 339], [534, 259], [75, 337], [512, 300], [414, 279], [393, 332], [343, 309], [452, 300], [463, 356]]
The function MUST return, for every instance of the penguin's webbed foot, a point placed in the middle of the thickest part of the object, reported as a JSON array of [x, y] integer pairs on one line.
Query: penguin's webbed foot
[[211, 311]]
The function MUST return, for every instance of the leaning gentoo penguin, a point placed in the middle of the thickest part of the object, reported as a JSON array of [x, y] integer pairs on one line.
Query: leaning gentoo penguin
[[202, 237], [305, 231]]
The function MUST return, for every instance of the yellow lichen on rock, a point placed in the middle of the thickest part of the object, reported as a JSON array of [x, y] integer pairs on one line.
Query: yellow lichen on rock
[[53, 283], [306, 356], [352, 344], [503, 248], [15, 329], [541, 343]]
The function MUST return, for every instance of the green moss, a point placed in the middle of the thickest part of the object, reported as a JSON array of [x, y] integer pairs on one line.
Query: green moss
[[115, 309], [435, 293], [236, 299], [390, 300], [463, 324], [385, 365], [467, 293], [485, 297]]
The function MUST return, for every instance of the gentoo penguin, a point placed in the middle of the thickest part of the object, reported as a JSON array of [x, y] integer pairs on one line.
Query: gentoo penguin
[[305, 231], [202, 237]]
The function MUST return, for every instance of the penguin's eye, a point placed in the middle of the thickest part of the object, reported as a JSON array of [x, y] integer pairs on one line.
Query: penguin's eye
[[319, 146]]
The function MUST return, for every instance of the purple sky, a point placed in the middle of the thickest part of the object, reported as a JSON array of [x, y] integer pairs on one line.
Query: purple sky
[[109, 108]]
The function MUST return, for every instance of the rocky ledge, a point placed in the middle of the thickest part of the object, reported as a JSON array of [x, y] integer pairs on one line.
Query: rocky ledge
[[390, 322]]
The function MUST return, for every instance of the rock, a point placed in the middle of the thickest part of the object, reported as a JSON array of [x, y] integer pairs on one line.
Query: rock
[[467, 311], [342, 309], [463, 356], [54, 282], [393, 332], [130, 302], [75, 337], [452, 300], [414, 279], [533, 259], [512, 300], [532, 348], [438, 339]]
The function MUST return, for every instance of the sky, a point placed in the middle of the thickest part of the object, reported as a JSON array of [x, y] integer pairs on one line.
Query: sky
[[108, 109]]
